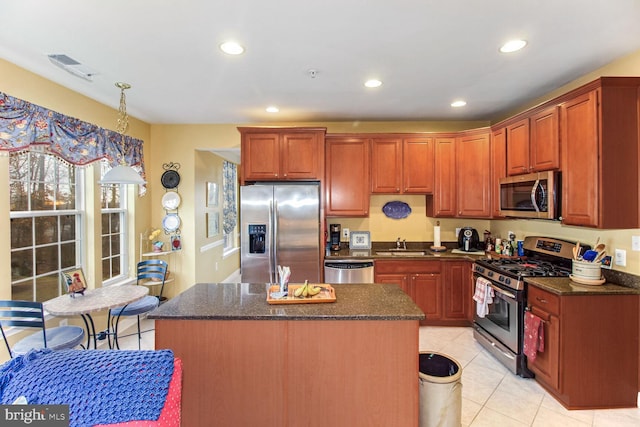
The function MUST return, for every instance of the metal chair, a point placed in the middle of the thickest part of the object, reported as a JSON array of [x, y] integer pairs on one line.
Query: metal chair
[[28, 314], [154, 270]]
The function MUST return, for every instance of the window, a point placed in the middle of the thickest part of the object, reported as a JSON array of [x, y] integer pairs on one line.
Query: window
[[46, 213], [230, 205], [114, 229]]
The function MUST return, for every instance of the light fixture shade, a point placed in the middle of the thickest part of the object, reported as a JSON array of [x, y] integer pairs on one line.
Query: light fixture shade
[[122, 174]]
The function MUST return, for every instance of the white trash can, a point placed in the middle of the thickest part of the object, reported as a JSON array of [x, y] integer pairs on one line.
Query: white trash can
[[440, 391]]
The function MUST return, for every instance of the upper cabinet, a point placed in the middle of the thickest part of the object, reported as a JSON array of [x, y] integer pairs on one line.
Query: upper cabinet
[[600, 137], [473, 181], [402, 164], [533, 143], [347, 176], [276, 154], [443, 201], [498, 167]]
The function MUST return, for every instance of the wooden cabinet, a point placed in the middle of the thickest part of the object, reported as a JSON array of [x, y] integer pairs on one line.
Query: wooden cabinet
[[518, 147], [457, 285], [402, 165], [498, 167], [533, 142], [599, 139], [442, 289], [443, 201], [590, 357], [473, 180], [276, 154], [544, 151], [347, 176]]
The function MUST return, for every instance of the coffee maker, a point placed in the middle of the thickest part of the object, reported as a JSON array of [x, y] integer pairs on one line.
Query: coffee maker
[[334, 236]]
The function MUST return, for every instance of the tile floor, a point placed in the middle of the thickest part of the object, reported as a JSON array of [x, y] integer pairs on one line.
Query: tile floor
[[493, 396]]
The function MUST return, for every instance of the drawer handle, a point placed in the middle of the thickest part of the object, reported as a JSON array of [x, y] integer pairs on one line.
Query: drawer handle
[[542, 300]]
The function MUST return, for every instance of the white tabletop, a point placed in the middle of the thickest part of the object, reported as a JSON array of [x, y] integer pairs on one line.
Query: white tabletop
[[95, 300]]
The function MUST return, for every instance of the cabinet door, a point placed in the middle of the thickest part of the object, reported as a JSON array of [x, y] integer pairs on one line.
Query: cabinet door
[[473, 158], [386, 165], [457, 290], [545, 140], [580, 168], [347, 176], [417, 165], [546, 365], [443, 201], [426, 290], [498, 167], [300, 155], [261, 156], [394, 279], [518, 148]]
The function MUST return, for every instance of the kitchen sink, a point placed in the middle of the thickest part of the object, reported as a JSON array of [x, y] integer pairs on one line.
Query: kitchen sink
[[401, 252]]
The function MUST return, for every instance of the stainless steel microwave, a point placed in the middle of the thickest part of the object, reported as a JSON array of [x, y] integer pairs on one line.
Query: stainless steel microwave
[[533, 195]]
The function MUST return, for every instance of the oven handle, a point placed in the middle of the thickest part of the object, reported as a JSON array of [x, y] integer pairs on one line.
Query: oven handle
[[503, 292]]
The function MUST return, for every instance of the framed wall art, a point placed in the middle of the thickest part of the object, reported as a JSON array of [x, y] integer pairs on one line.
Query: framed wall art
[[212, 194], [213, 223]]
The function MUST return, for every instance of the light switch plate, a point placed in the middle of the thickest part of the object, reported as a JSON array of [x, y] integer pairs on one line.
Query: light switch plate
[[621, 257], [635, 243]]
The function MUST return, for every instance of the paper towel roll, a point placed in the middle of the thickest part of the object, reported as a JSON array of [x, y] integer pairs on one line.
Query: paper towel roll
[[436, 236]]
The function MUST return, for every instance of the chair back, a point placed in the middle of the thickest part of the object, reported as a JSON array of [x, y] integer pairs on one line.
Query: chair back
[[152, 269], [22, 314]]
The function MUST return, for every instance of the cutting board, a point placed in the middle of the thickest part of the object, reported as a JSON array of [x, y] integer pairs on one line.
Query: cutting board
[[327, 294]]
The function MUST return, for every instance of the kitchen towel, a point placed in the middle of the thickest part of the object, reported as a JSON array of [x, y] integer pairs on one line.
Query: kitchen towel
[[533, 335], [483, 296]]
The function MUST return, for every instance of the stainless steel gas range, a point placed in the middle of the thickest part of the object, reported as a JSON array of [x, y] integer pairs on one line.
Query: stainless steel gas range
[[501, 329]]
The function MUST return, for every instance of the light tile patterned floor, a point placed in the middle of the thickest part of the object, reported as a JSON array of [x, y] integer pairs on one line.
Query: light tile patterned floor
[[493, 396]]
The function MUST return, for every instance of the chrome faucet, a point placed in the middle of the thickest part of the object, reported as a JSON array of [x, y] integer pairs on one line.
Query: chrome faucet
[[401, 244]]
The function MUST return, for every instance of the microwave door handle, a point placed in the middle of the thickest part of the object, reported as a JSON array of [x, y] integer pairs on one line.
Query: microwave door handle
[[534, 190]]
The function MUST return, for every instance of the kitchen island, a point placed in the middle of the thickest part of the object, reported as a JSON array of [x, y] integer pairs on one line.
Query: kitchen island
[[353, 362]]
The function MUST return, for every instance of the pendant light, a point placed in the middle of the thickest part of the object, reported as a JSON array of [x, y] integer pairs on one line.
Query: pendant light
[[122, 174]]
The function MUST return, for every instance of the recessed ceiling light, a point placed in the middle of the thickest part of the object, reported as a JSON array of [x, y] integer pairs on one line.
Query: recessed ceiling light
[[512, 46], [272, 109], [373, 83], [459, 103], [231, 48]]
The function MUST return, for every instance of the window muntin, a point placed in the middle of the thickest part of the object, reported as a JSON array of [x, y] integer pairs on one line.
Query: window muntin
[[114, 228]]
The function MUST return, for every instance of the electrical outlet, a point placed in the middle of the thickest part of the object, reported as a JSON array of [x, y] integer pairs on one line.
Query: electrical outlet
[[345, 233], [635, 243], [621, 257], [458, 231], [216, 265]]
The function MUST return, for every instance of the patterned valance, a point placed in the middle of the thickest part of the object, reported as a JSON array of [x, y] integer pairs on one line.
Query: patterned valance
[[25, 126]]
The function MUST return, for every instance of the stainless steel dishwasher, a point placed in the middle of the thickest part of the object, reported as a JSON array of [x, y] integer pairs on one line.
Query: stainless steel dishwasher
[[348, 271]]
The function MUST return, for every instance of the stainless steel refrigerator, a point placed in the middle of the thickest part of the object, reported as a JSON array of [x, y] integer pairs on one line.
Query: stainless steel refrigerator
[[280, 225]]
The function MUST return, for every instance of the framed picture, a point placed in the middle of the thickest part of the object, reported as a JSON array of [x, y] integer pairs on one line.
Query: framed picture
[[213, 224], [75, 281], [212, 194], [360, 240], [606, 262]]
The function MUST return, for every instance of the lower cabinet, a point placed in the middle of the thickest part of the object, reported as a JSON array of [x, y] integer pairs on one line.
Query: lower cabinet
[[442, 289], [590, 356]]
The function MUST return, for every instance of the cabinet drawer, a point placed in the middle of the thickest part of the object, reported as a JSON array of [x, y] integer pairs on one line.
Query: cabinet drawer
[[544, 300], [384, 266]]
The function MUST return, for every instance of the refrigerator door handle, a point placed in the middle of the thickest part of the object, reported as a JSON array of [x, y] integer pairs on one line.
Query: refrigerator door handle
[[274, 239]]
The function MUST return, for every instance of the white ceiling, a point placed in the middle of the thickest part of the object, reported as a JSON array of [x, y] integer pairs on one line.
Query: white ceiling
[[427, 52]]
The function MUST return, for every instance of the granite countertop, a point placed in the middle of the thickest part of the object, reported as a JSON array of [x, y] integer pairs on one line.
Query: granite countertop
[[566, 287], [247, 301]]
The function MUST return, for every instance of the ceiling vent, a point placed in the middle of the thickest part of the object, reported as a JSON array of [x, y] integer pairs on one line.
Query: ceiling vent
[[72, 66]]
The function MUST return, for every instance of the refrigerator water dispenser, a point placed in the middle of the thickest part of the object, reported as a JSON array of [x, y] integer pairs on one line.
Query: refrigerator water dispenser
[[257, 233]]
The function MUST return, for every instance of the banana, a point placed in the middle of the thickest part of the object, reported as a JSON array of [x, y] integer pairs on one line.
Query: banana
[[298, 292], [314, 290], [305, 291]]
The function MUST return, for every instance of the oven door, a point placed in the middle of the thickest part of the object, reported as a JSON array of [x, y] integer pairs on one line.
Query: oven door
[[503, 320]]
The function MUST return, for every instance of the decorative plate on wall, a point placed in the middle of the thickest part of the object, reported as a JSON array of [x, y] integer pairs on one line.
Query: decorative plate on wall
[[396, 209], [170, 179], [171, 200], [171, 222]]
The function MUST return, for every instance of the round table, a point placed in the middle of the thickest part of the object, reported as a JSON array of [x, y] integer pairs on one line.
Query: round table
[[94, 300]]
